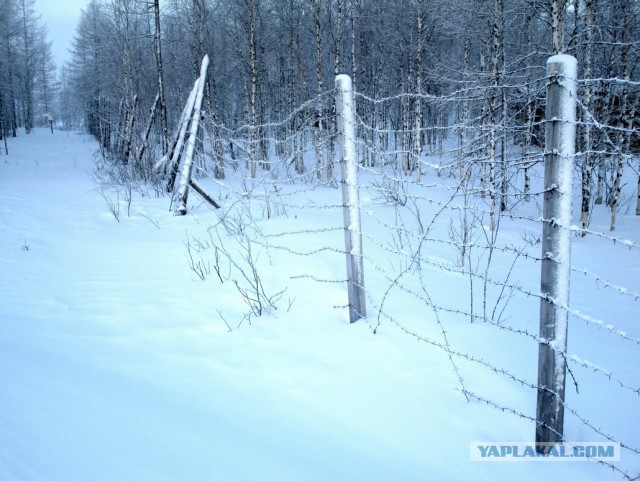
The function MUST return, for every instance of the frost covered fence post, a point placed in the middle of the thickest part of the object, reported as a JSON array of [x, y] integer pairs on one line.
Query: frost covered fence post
[[345, 107], [560, 135]]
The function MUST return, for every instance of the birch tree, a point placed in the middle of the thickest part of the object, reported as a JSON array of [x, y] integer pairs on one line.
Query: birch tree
[[624, 121], [558, 12], [254, 81], [588, 160], [494, 107]]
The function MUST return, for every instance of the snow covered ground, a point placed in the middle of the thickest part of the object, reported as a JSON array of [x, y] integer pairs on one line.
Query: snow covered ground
[[117, 363]]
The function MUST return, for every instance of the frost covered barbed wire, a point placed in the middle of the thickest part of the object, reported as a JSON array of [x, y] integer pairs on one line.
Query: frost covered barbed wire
[[411, 202], [312, 105], [515, 412], [506, 373], [440, 225]]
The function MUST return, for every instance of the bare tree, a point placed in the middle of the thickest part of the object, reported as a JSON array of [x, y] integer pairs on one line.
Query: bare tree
[[28, 29], [481, 63], [162, 104], [587, 161]]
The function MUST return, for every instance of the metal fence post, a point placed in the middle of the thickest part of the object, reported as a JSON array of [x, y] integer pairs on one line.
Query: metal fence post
[[345, 107], [560, 135]]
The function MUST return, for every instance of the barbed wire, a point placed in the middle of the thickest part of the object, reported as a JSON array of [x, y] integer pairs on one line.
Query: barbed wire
[[310, 104], [506, 409], [504, 372], [398, 250]]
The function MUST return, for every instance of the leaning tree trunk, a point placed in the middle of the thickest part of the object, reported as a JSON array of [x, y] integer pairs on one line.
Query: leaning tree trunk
[[147, 132], [185, 179]]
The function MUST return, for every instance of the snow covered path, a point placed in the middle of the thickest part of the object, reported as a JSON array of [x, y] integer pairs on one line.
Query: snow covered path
[[115, 366]]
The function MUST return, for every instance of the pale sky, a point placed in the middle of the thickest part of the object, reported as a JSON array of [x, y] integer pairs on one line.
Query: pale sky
[[61, 17]]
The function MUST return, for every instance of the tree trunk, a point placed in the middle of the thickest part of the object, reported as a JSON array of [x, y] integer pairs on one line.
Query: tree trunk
[[318, 132], [11, 101], [147, 132], [337, 44], [417, 138], [637, 201], [28, 55], [558, 8], [352, 19], [174, 162], [478, 135], [622, 138], [338, 39], [464, 115], [161, 97], [254, 80], [600, 182], [496, 48], [587, 162], [183, 188], [129, 132]]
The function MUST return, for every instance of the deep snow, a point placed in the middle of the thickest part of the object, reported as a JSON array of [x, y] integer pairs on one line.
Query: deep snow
[[116, 364]]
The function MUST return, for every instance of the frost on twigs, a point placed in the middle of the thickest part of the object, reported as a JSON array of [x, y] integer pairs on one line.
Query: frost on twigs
[[235, 260]]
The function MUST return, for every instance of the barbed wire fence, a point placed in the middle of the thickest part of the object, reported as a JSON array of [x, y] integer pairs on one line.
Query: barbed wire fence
[[452, 232]]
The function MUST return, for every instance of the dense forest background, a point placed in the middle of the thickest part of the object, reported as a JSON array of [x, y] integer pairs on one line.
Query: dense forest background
[[473, 72]]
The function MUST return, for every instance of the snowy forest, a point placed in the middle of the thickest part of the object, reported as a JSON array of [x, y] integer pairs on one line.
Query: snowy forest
[[453, 69], [476, 162]]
